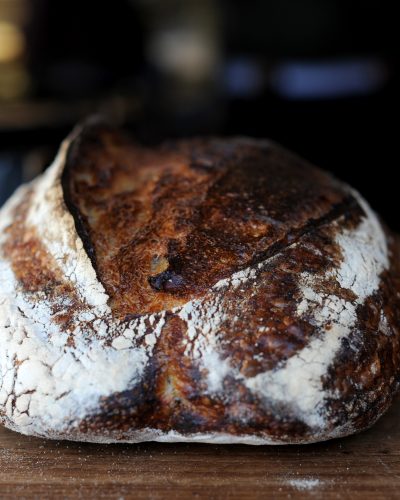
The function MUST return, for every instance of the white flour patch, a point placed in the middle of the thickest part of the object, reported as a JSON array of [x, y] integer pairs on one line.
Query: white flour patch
[[217, 368], [203, 320], [305, 484]]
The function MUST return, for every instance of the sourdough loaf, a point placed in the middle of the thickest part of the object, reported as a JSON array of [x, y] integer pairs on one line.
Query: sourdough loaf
[[214, 290]]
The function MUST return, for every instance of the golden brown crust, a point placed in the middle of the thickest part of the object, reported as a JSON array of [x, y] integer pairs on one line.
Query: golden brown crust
[[162, 226]]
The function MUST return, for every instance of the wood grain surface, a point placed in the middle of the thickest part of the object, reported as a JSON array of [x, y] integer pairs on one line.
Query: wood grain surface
[[364, 466]]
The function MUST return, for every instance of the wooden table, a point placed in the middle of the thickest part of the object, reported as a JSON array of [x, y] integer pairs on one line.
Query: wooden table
[[365, 466]]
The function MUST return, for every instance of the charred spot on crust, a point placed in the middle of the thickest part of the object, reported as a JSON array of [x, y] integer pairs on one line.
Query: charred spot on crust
[[167, 281]]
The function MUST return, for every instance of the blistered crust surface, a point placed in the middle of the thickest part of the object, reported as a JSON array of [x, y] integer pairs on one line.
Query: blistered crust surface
[[292, 338]]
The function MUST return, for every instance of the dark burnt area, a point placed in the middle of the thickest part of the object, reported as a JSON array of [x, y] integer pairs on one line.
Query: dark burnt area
[[168, 281], [205, 207]]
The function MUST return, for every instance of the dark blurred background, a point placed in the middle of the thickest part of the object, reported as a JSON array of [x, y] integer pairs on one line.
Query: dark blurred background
[[319, 76]]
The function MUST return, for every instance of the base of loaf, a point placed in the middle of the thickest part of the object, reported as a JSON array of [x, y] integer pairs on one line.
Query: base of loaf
[[155, 435]]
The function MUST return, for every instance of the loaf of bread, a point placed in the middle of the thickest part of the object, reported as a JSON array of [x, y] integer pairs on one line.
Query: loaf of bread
[[208, 290]]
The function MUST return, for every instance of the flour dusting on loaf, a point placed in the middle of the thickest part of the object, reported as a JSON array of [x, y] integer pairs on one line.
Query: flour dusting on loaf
[[210, 290]]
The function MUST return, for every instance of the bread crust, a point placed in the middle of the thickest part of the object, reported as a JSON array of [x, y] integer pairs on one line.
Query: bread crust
[[212, 290]]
